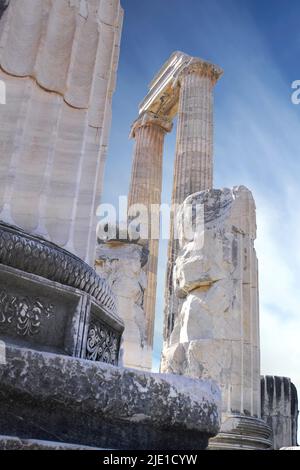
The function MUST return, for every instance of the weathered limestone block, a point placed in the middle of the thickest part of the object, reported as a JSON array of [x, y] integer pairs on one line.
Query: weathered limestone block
[[50, 397], [121, 265], [15, 443], [216, 333], [279, 408], [58, 61]]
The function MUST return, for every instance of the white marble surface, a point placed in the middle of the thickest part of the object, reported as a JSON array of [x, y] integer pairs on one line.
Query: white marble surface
[[58, 60], [216, 334]]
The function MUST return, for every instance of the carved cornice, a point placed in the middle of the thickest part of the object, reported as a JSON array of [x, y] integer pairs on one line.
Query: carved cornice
[[37, 256], [163, 94], [200, 67], [151, 119]]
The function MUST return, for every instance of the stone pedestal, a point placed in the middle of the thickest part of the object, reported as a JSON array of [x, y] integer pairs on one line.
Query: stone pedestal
[[49, 397], [58, 61], [51, 300], [279, 408], [121, 264], [216, 334], [242, 433]]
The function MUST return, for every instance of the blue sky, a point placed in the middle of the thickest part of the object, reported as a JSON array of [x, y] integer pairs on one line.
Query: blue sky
[[257, 135]]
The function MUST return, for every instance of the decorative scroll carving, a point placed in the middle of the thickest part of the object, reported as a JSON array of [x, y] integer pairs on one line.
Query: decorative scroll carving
[[151, 119], [24, 314], [102, 343], [203, 68], [35, 255]]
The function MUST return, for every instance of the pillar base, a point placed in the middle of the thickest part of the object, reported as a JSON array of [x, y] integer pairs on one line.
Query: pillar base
[[50, 300], [56, 398], [242, 433]]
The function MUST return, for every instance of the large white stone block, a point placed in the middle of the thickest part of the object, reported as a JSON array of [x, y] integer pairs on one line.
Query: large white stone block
[[216, 331]]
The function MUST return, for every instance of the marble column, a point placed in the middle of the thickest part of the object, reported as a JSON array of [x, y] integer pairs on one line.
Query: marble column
[[279, 408], [58, 60], [194, 154], [145, 188]]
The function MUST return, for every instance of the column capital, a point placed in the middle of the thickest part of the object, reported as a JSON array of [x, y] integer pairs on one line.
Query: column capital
[[149, 118], [200, 67]]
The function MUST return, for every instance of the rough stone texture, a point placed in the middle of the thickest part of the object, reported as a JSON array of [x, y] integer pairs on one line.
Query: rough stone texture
[[57, 398], [279, 408], [121, 265], [216, 334], [56, 122], [14, 443], [48, 316]]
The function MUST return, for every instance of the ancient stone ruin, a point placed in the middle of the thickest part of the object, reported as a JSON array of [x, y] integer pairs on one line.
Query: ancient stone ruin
[[279, 408], [211, 298], [61, 381], [76, 312], [216, 333]]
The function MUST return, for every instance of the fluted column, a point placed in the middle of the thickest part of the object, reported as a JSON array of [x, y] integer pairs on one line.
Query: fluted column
[[145, 188], [193, 169], [58, 60]]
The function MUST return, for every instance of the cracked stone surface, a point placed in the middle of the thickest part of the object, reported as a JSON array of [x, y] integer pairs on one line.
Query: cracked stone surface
[[216, 334], [57, 398], [14, 443]]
